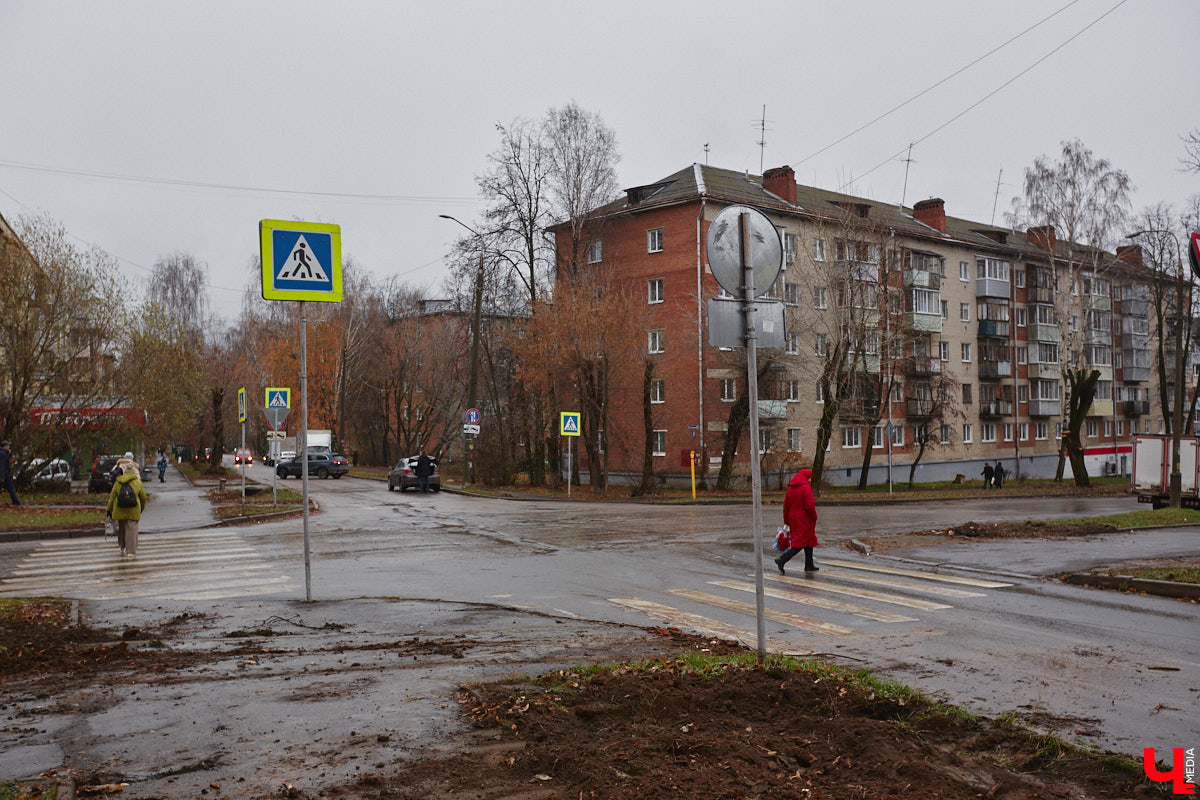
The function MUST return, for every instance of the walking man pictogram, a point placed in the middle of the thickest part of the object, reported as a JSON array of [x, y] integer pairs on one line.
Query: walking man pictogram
[[301, 255]]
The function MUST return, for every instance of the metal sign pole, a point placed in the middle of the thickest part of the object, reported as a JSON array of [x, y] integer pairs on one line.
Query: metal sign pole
[[569, 438], [304, 446], [243, 463], [755, 476]]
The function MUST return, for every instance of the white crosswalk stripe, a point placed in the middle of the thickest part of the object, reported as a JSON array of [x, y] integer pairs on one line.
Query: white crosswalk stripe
[[890, 586], [704, 625], [170, 566]]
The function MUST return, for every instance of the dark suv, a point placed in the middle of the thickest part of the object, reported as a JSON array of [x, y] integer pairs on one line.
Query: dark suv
[[322, 465], [101, 479]]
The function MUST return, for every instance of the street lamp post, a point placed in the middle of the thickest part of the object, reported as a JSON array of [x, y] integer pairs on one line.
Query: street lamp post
[[473, 379], [1176, 486]]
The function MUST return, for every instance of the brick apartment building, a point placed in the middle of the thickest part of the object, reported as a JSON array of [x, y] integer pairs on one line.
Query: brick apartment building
[[968, 323]]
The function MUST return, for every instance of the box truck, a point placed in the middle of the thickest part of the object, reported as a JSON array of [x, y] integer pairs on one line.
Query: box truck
[[1152, 470]]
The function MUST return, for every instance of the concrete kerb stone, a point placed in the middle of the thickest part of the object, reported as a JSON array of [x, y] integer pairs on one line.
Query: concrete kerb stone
[[1185, 591]]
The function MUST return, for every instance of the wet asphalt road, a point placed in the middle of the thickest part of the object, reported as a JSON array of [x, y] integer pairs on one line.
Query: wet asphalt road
[[1111, 670]]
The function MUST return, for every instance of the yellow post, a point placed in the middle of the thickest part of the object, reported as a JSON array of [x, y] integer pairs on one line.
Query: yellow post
[[692, 460]]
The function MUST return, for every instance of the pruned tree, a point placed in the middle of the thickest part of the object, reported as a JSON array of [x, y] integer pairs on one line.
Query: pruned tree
[[1191, 151], [1075, 207], [934, 403]]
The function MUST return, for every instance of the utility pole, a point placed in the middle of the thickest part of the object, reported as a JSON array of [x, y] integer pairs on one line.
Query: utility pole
[[473, 379]]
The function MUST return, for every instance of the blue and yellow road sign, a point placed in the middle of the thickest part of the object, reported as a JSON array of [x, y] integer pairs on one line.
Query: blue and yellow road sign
[[301, 260], [278, 397], [568, 423]]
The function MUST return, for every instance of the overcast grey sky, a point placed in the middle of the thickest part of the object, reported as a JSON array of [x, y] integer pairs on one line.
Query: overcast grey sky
[[401, 99]]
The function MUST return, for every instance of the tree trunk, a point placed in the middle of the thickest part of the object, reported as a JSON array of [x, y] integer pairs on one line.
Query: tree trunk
[[866, 460], [1083, 391], [912, 470], [739, 415], [647, 484], [218, 445]]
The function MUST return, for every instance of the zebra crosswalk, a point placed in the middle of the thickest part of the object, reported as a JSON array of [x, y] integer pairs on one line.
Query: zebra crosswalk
[[200, 565], [888, 586]]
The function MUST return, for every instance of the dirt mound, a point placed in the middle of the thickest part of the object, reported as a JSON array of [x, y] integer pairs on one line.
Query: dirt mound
[[803, 731], [982, 531]]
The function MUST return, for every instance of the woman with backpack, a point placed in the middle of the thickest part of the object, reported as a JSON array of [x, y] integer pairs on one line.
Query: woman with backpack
[[125, 504]]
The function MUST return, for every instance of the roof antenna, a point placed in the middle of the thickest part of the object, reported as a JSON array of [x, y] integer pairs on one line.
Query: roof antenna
[[907, 162], [706, 154], [996, 199], [762, 137]]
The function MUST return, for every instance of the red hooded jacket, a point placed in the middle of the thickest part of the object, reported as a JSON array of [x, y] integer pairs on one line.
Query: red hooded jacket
[[800, 510]]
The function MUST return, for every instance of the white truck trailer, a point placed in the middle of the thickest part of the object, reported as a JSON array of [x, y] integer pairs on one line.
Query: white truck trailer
[[1152, 470]]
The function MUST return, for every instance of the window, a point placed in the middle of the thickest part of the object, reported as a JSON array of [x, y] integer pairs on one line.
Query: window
[[595, 252], [818, 249], [944, 351], [1008, 431], [656, 341], [1093, 429], [658, 391], [964, 312], [944, 434], [821, 347], [820, 299], [1120, 428], [945, 309], [654, 291], [793, 391], [658, 446], [964, 271], [791, 293], [820, 393], [1058, 430], [1074, 323], [966, 387], [925, 301], [1021, 313], [877, 437], [793, 439], [851, 436], [792, 340], [992, 268], [1041, 431], [968, 434], [1022, 355], [1020, 277], [988, 433], [966, 352], [1160, 426], [789, 248], [728, 389], [1023, 431], [764, 441], [1023, 393], [654, 240], [1108, 429], [897, 435]]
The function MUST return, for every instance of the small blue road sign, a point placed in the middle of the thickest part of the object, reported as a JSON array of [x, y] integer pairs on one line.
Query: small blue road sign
[[568, 423], [301, 261], [472, 416], [278, 397]]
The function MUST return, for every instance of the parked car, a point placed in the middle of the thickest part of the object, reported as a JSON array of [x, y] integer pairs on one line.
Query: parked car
[[55, 474], [322, 465], [243, 454], [101, 479], [287, 455], [404, 475]]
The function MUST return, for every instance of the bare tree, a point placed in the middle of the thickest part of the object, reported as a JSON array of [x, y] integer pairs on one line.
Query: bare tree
[[179, 283], [1076, 206], [1191, 151]]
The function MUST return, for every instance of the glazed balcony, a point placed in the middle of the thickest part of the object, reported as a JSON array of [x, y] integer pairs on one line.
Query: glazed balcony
[[1096, 302], [992, 287], [1039, 294], [915, 321], [1041, 371], [989, 327], [772, 409], [1135, 308], [922, 279], [1135, 374], [1100, 408], [1045, 408], [1097, 336], [1136, 408], [1042, 332]]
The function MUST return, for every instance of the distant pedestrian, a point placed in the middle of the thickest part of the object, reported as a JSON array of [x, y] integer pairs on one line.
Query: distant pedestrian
[[999, 475], [125, 504], [800, 515], [424, 470], [162, 467], [988, 475], [6, 477], [354, 457]]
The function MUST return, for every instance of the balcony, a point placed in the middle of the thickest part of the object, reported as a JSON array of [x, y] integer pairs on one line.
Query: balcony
[[1096, 336], [1136, 408], [1095, 302], [1135, 341], [923, 322], [989, 327], [991, 287], [1040, 294], [922, 279], [1135, 374], [1135, 308], [1100, 408], [1043, 332], [1051, 372], [772, 409], [1045, 408], [922, 366], [856, 409], [992, 370], [919, 407], [995, 409], [864, 271]]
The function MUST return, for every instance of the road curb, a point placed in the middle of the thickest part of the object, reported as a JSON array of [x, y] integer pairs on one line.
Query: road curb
[[1187, 591]]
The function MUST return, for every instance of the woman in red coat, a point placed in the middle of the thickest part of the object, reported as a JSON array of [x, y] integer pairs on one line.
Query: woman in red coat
[[800, 515]]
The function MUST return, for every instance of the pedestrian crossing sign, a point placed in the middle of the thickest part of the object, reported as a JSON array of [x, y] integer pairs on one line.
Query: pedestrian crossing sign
[[568, 423], [301, 260], [278, 397]]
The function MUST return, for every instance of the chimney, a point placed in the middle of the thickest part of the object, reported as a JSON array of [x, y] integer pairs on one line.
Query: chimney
[[1130, 254], [1042, 237], [932, 212], [781, 181]]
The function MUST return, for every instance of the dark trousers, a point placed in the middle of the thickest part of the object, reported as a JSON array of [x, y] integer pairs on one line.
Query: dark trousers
[[423, 483], [12, 490], [793, 551]]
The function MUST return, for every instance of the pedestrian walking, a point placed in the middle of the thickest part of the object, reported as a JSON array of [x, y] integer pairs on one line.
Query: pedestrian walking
[[6, 477], [800, 515], [162, 467], [424, 470], [998, 475], [125, 504], [988, 475]]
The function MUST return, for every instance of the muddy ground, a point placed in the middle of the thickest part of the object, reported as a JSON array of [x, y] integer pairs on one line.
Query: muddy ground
[[672, 725], [983, 531]]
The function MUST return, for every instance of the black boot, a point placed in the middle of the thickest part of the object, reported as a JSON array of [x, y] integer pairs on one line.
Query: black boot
[[779, 564], [809, 566]]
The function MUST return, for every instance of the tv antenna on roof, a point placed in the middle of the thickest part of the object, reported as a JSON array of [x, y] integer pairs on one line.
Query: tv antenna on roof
[[908, 161], [996, 199], [706, 154], [762, 137]]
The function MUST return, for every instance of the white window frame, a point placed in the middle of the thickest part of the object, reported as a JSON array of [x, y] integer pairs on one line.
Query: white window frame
[[820, 297], [1008, 431], [944, 434], [658, 443], [965, 348], [964, 312], [877, 439], [658, 390], [654, 240], [964, 271], [820, 252], [987, 432], [794, 443], [595, 253], [968, 433], [793, 391], [655, 342], [853, 435], [944, 351], [1023, 431], [654, 291], [728, 390], [1041, 431]]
